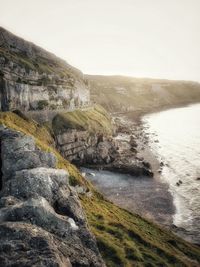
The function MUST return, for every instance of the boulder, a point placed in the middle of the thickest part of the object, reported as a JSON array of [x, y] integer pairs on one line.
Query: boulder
[[42, 222], [24, 244]]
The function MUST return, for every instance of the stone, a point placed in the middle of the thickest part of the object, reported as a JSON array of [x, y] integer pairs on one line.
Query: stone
[[82, 147], [41, 218], [31, 183], [162, 164], [146, 164], [133, 142], [26, 245], [80, 189], [26, 155]]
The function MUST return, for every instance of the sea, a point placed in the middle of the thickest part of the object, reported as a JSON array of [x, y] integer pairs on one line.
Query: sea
[[174, 198]]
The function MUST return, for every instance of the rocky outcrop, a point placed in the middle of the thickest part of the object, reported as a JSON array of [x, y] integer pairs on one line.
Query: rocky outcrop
[[101, 152], [85, 136], [83, 147], [34, 79], [41, 219], [80, 139]]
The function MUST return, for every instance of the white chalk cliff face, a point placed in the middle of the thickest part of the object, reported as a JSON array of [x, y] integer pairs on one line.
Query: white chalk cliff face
[[32, 78]]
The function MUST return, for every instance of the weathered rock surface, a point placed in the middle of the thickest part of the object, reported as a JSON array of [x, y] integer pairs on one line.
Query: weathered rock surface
[[41, 219], [98, 151], [82, 147], [41, 85], [34, 79]]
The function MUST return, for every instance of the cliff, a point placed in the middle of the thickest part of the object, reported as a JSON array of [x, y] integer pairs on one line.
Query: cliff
[[34, 79], [120, 93], [85, 136], [57, 95], [38, 215]]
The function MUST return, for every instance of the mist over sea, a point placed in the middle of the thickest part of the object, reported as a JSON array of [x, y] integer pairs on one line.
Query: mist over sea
[[174, 137]]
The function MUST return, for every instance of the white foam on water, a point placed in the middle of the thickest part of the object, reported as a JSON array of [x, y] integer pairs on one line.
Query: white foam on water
[[178, 133]]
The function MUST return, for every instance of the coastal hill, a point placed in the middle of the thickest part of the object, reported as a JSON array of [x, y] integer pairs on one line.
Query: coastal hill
[[50, 214], [121, 93], [34, 79]]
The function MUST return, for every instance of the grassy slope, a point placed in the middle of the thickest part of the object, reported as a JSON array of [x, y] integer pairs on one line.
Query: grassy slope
[[143, 94], [124, 239], [28, 63], [94, 120], [14, 49]]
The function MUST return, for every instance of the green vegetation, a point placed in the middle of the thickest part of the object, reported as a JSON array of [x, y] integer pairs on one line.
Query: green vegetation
[[48, 64], [15, 120], [42, 104], [124, 239], [94, 120], [73, 181], [43, 138], [117, 93], [18, 58]]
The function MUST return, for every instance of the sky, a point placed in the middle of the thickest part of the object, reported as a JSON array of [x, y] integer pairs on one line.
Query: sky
[[140, 38]]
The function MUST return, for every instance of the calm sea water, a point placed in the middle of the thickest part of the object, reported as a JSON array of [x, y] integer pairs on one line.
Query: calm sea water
[[175, 139]]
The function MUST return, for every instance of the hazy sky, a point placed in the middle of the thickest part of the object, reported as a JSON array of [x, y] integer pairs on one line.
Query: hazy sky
[[145, 38]]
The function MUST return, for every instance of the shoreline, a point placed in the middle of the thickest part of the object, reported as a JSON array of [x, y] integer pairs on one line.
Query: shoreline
[[152, 199], [182, 231], [144, 152], [143, 149], [139, 195], [138, 114], [160, 192]]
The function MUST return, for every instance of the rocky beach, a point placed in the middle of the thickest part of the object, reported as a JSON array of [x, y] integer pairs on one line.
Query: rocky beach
[[133, 181], [80, 182], [133, 191]]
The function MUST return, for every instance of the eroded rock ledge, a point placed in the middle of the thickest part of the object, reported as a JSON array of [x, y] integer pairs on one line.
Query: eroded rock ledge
[[41, 219]]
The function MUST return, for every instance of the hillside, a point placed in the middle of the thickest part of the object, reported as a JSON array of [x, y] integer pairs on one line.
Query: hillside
[[120, 93], [94, 120], [123, 238], [34, 79], [50, 214]]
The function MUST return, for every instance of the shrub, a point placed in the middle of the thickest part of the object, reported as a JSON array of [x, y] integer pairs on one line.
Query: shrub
[[42, 104], [73, 181]]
